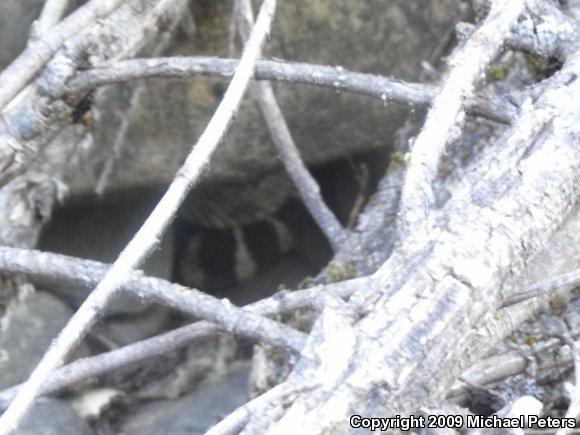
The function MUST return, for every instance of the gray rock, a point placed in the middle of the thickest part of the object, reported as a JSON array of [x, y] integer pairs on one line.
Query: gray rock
[[53, 417], [16, 16], [28, 326], [391, 37], [129, 328], [99, 231], [193, 413]]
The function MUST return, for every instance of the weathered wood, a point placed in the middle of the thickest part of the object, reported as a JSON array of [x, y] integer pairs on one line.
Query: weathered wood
[[409, 345], [33, 123]]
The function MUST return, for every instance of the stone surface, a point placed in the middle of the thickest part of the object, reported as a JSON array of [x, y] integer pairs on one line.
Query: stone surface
[[374, 36], [129, 328], [193, 413], [16, 16], [53, 417], [99, 230], [28, 326]]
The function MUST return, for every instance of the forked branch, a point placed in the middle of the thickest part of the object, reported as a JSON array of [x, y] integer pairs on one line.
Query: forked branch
[[445, 119], [289, 154], [153, 228]]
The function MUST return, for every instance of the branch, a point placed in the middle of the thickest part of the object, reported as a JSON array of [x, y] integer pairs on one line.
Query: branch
[[153, 228], [39, 51], [305, 183], [446, 116], [545, 30], [26, 203], [236, 421], [487, 371], [546, 288], [31, 122], [51, 14], [412, 340], [556, 257], [48, 270], [337, 78]]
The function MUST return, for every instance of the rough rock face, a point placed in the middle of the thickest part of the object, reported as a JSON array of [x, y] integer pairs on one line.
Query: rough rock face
[[193, 413], [387, 37], [27, 329], [16, 16], [53, 417], [99, 231]]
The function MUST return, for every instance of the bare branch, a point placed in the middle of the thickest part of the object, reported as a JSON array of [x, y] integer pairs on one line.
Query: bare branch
[[487, 371], [545, 30], [191, 301], [235, 421], [38, 52], [154, 227], [289, 154], [34, 119], [48, 270], [51, 14], [420, 332], [53, 270], [83, 371], [381, 87], [445, 118], [548, 287]]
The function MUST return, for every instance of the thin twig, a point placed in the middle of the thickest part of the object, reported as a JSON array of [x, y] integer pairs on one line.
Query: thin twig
[[338, 78], [362, 178], [148, 235], [85, 370], [59, 270], [39, 51], [48, 270], [305, 183], [235, 421], [53, 269], [486, 371], [190, 301], [445, 118], [548, 287], [51, 14], [23, 137]]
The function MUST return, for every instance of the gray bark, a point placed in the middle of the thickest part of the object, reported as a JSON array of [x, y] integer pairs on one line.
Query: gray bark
[[420, 320], [409, 345]]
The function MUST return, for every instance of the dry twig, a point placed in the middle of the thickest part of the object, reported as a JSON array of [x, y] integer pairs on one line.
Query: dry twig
[[383, 88], [38, 53], [51, 14], [445, 119], [154, 227], [127, 117], [37, 116], [548, 287], [419, 333], [289, 154], [52, 269]]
